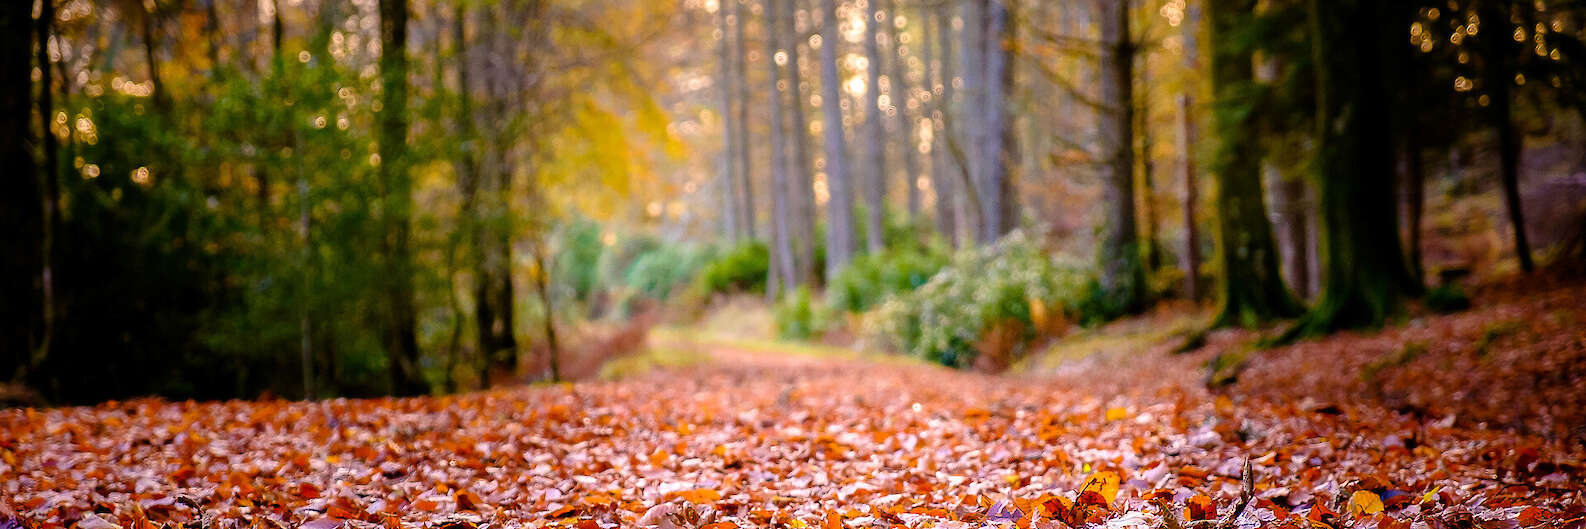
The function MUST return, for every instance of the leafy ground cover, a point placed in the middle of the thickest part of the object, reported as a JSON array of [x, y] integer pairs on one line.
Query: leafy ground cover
[[1355, 431]]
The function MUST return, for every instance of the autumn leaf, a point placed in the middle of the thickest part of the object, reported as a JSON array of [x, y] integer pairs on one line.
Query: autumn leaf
[[1104, 483], [1364, 502]]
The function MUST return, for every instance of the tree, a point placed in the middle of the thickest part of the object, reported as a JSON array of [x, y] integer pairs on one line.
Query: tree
[[782, 268], [997, 150], [1122, 276], [875, 183], [740, 84], [1191, 260], [1365, 274], [903, 99], [840, 208], [1498, 77], [948, 202], [802, 190], [730, 164], [22, 210], [1251, 288], [396, 189]]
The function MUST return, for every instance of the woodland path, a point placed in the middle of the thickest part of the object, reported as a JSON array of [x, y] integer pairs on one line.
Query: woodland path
[[751, 439]]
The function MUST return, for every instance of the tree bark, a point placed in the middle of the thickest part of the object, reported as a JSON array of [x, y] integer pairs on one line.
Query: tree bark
[[745, 186], [1365, 277], [731, 227], [397, 202], [1191, 257], [802, 192], [875, 177], [782, 270], [22, 210], [1500, 72], [948, 201], [1251, 289], [1122, 277], [51, 184], [903, 94], [997, 151], [840, 209]]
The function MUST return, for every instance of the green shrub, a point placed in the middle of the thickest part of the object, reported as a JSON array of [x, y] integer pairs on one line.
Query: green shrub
[[657, 274], [743, 269], [1447, 298], [798, 317], [870, 279], [1010, 285]]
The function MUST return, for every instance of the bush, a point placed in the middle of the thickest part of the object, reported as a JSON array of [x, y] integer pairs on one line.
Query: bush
[[1447, 298], [870, 279], [743, 269], [798, 317], [1011, 289]]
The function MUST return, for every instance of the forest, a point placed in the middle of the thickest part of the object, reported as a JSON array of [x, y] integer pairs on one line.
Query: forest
[[1177, 264]]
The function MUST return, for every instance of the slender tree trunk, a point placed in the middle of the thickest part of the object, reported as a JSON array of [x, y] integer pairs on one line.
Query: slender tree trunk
[[948, 201], [1148, 232], [973, 110], [840, 209], [1415, 198], [396, 187], [903, 95], [22, 210], [542, 281], [1500, 72], [162, 100], [51, 183], [802, 191], [998, 151], [730, 135], [1365, 276], [1191, 257], [1122, 277], [782, 270], [875, 183], [740, 82]]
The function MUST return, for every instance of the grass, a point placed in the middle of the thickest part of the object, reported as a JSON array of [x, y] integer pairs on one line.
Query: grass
[[650, 359]]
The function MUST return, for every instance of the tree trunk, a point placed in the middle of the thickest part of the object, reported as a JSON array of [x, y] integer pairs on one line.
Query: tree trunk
[[802, 192], [782, 270], [875, 177], [972, 110], [1191, 258], [51, 183], [1500, 72], [998, 152], [397, 202], [542, 281], [947, 200], [1148, 233], [731, 226], [740, 81], [840, 209], [23, 202], [1250, 289], [903, 94], [1122, 277], [1365, 277]]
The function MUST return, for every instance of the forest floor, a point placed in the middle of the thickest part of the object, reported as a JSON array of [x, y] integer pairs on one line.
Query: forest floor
[[1460, 421]]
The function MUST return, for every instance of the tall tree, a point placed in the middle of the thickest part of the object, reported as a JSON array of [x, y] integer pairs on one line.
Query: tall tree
[[730, 164], [396, 186], [1122, 276], [50, 181], [1498, 74], [997, 149], [875, 175], [801, 181], [1365, 275], [971, 115], [949, 202], [1251, 288], [1191, 257], [840, 208], [903, 96], [22, 208], [783, 268], [740, 84]]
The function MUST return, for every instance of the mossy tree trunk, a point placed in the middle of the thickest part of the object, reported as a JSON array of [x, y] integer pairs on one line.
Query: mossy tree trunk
[[1251, 289], [1365, 275]]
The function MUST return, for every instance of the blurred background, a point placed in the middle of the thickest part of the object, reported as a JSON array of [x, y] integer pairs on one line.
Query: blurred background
[[304, 198]]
